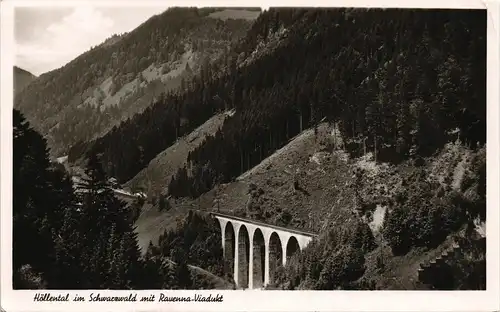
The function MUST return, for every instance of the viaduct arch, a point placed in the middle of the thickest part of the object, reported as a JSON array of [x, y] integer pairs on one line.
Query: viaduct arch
[[253, 250]]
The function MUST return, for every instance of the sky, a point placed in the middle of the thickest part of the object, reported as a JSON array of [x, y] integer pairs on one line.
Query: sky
[[48, 38]]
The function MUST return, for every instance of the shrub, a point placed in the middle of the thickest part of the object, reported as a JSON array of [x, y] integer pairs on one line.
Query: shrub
[[198, 237], [425, 217], [334, 261]]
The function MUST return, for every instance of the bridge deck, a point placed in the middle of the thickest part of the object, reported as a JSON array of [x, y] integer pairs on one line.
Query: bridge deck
[[264, 224]]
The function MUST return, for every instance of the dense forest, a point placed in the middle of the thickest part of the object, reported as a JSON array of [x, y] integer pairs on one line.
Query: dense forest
[[335, 261], [89, 95], [83, 237], [400, 84], [400, 81]]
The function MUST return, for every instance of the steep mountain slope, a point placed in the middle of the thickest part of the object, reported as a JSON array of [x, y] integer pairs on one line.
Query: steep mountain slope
[[302, 185], [156, 176], [174, 115], [113, 81], [384, 188], [325, 198], [21, 79], [381, 105], [263, 75], [266, 192]]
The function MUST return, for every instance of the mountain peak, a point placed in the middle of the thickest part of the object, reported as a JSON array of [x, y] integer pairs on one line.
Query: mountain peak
[[22, 78]]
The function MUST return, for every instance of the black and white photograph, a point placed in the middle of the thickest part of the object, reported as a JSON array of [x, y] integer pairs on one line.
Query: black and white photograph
[[249, 148]]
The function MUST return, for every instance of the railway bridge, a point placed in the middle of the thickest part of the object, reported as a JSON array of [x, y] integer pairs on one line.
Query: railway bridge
[[254, 250]]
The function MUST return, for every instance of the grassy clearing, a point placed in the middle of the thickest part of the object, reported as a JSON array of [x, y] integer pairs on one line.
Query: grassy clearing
[[155, 177]]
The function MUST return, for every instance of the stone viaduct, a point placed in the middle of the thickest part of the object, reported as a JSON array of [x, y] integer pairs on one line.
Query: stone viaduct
[[254, 250]]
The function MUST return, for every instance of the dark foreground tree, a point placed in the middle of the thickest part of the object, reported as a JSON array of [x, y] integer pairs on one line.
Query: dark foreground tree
[[64, 239]]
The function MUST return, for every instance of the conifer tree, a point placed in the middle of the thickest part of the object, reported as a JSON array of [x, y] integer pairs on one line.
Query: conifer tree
[[32, 229], [109, 233]]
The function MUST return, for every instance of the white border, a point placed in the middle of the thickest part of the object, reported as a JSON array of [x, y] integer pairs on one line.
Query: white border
[[18, 300]]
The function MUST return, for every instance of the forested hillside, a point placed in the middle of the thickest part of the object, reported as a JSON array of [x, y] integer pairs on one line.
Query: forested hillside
[[396, 84], [366, 126], [113, 81], [399, 81]]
